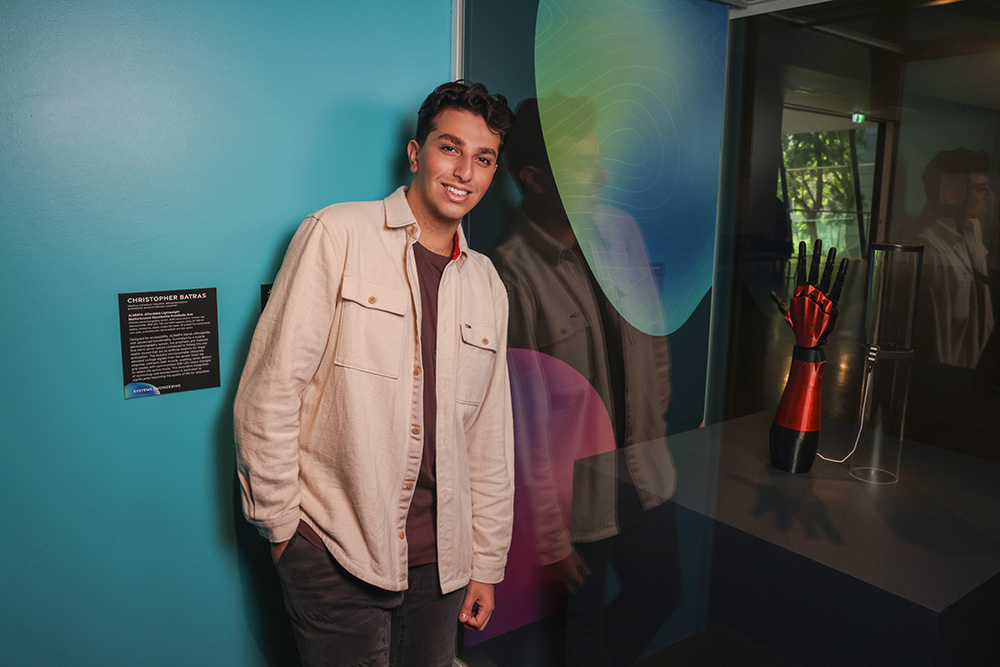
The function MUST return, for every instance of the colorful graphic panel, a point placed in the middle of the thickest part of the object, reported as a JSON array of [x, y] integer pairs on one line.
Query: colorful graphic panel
[[642, 198]]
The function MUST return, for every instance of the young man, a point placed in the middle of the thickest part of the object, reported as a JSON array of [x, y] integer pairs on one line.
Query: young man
[[373, 424]]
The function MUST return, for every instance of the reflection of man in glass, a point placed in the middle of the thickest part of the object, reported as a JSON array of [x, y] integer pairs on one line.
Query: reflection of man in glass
[[956, 313], [616, 514]]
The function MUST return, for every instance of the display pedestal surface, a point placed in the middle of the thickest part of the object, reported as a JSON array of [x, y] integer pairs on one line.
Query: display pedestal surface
[[821, 568]]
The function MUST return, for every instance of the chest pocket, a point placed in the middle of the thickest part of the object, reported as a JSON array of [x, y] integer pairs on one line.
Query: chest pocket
[[476, 357], [372, 329], [566, 336]]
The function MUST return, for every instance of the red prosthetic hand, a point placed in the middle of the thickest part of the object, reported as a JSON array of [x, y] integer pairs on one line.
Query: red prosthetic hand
[[794, 434]]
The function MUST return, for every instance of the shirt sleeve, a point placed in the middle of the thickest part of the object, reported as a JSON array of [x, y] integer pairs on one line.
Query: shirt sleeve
[[285, 352], [491, 463], [548, 518]]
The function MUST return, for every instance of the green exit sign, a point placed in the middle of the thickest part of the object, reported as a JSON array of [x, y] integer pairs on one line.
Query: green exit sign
[[858, 117]]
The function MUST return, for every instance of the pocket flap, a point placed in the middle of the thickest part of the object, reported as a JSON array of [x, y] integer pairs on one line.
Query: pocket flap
[[373, 295], [479, 335]]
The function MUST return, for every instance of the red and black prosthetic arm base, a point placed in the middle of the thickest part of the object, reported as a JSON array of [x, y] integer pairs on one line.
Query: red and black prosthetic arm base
[[794, 436]]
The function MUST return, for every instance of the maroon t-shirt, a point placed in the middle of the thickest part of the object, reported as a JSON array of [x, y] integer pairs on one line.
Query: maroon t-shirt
[[421, 527]]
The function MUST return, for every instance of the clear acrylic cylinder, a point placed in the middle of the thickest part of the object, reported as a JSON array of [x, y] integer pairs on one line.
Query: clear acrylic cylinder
[[890, 321]]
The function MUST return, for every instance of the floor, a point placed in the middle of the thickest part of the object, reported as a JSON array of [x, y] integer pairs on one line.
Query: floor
[[715, 648]]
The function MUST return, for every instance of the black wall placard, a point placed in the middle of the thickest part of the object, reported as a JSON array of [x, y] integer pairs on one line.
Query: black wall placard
[[170, 341]]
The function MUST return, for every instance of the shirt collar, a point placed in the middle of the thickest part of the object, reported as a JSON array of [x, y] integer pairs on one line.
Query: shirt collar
[[946, 231], [398, 214], [461, 248], [550, 249], [397, 210]]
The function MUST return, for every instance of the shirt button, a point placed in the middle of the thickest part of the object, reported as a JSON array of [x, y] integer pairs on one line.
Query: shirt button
[[486, 341], [416, 371], [415, 430], [372, 299], [409, 485], [402, 535]]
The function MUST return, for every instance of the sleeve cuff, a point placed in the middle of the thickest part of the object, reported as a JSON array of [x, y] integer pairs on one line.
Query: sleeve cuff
[[280, 532], [486, 574]]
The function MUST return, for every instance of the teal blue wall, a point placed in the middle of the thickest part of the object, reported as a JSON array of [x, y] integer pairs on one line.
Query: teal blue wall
[[156, 146]]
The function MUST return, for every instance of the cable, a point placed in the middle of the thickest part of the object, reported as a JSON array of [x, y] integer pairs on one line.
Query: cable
[[869, 369]]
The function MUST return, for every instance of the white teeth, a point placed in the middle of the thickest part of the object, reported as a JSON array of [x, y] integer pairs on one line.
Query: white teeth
[[456, 190]]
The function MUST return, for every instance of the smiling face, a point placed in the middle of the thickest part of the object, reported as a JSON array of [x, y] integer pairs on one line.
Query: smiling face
[[452, 169]]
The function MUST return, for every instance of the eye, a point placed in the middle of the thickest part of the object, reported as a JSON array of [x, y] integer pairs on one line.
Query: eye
[[485, 161], [450, 149]]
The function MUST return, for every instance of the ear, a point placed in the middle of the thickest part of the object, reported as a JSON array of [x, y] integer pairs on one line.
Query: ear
[[412, 151], [536, 180]]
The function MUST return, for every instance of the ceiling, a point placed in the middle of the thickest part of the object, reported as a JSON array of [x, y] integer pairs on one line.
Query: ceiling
[[841, 55]]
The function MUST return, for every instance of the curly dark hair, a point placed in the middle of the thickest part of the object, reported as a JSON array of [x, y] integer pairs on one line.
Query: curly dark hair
[[957, 161], [577, 118], [467, 96]]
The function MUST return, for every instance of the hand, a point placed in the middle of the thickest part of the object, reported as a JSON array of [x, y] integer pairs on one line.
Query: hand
[[814, 310], [278, 548], [478, 606], [570, 571]]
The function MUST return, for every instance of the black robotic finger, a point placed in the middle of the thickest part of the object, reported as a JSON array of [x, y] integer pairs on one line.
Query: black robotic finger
[[782, 306], [838, 284], [831, 257], [814, 267], [800, 269]]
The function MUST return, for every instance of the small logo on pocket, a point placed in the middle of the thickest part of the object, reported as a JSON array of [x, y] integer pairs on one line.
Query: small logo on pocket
[[467, 326]]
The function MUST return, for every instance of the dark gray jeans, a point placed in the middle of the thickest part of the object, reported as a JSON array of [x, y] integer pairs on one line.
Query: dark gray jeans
[[342, 621]]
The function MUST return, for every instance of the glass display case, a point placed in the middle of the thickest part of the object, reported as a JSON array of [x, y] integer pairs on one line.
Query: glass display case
[[666, 160]]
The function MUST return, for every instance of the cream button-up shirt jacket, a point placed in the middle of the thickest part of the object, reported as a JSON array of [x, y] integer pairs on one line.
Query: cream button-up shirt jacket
[[329, 410]]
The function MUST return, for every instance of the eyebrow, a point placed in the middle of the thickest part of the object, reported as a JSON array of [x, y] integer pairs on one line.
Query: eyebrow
[[463, 143]]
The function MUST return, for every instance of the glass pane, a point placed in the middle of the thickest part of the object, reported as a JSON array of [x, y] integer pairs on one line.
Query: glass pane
[[922, 170], [602, 226], [796, 168]]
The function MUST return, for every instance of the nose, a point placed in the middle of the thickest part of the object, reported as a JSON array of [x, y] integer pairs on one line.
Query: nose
[[463, 168], [603, 177]]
